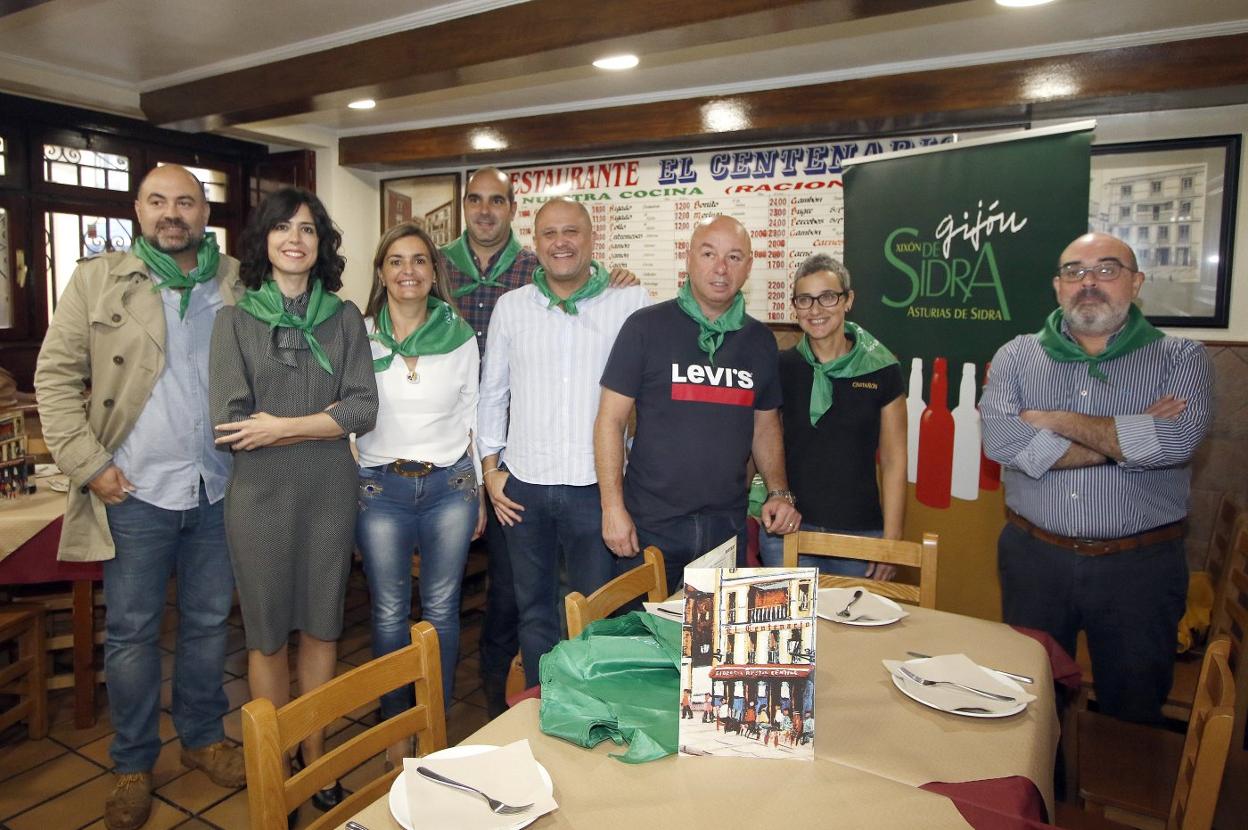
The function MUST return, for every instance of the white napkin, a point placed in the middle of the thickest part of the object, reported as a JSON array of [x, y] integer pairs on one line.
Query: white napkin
[[832, 600], [673, 609], [508, 773], [957, 668]]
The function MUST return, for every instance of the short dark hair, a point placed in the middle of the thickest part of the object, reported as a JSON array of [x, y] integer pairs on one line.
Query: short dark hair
[[441, 282], [494, 171], [815, 263], [253, 247]]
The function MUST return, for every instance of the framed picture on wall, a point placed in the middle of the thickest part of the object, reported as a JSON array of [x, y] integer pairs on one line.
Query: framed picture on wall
[[429, 200], [1174, 202]]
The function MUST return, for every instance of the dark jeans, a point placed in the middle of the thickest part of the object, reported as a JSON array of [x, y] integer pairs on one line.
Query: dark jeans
[[1129, 604], [500, 629], [684, 539], [154, 544], [559, 522]]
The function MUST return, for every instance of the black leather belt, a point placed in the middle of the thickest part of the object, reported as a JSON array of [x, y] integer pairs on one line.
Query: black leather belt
[[1099, 547]]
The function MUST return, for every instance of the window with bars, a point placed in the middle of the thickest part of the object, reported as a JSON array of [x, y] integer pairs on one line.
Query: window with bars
[[216, 182], [68, 237], [85, 168]]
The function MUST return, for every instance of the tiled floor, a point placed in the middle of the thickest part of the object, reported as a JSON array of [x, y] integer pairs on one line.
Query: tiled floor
[[60, 782]]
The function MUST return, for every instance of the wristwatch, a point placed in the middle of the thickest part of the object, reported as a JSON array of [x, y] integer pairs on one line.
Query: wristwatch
[[787, 495]]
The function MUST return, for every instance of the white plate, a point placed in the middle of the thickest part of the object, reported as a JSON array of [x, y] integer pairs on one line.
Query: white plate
[[914, 691], [831, 616], [398, 790]]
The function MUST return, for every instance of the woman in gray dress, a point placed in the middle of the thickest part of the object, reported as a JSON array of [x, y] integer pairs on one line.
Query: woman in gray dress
[[291, 378]]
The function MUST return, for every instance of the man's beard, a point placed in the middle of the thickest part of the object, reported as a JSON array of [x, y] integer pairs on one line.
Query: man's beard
[[191, 243], [1094, 320]]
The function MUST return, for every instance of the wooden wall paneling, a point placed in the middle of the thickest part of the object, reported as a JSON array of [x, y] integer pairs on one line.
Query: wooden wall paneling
[[1185, 73], [538, 36]]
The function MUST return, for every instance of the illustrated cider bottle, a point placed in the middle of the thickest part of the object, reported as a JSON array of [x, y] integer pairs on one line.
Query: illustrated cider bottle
[[967, 446], [989, 470], [936, 442], [914, 411]]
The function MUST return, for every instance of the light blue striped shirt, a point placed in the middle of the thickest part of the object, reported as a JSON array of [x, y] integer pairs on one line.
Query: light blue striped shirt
[[170, 449], [1150, 487], [545, 365]]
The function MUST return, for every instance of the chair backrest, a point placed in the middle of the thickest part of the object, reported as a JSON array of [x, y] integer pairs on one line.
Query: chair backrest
[[1227, 522], [921, 555], [1208, 739], [269, 734], [1234, 607], [648, 578]]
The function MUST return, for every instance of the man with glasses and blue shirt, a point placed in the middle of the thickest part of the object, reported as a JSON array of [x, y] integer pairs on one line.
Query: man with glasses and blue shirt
[[1095, 420], [148, 484]]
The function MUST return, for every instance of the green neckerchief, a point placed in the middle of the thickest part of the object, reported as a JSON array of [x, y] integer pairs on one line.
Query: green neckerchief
[[711, 333], [443, 331], [595, 285], [1136, 333], [460, 254], [170, 273], [265, 304], [865, 356]]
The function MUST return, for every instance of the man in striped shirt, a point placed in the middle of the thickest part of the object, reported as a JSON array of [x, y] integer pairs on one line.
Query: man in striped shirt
[[548, 344], [1095, 420]]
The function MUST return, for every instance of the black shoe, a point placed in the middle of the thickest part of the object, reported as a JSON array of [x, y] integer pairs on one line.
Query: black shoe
[[328, 798]]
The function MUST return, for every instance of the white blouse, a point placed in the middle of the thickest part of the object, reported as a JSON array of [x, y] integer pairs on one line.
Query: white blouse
[[431, 419]]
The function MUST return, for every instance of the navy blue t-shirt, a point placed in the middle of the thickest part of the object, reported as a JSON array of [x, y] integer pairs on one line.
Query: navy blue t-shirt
[[695, 419]]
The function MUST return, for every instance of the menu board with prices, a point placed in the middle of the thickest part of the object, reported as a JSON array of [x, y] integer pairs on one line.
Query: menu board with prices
[[644, 209]]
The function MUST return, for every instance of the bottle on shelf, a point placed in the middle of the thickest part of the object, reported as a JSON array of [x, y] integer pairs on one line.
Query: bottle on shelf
[[935, 471]]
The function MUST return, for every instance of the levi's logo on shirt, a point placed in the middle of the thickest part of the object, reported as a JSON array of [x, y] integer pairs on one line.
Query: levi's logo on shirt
[[710, 384]]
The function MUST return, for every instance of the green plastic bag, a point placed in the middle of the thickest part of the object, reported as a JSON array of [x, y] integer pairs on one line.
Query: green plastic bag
[[619, 680]]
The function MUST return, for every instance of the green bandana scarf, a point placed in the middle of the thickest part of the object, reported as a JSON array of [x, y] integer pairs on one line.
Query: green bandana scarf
[[595, 285], [443, 331], [711, 334], [170, 274], [867, 355], [1137, 333], [266, 306], [460, 254]]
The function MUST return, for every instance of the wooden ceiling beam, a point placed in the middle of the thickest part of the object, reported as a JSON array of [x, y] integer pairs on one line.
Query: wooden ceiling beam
[[522, 39], [1177, 74]]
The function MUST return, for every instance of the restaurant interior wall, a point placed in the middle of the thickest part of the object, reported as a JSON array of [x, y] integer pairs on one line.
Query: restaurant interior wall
[[968, 575]]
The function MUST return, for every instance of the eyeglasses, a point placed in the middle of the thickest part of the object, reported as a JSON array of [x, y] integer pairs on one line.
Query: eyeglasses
[[1104, 271], [828, 299]]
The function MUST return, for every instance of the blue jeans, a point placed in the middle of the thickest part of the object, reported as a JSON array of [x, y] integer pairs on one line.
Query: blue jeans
[[771, 551], [1129, 604], [152, 545], [499, 638], [686, 538], [436, 513], [559, 521]]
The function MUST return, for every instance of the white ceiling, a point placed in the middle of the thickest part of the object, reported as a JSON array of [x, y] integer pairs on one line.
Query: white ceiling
[[104, 53]]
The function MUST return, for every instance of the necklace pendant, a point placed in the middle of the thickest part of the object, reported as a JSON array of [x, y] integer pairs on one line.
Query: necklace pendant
[[413, 376]]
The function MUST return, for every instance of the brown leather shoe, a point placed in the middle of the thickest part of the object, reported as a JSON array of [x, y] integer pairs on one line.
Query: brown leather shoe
[[130, 802], [222, 762]]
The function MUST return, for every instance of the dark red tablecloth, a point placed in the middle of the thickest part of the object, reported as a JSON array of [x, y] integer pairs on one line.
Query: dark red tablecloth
[[35, 561], [1011, 803], [1065, 670]]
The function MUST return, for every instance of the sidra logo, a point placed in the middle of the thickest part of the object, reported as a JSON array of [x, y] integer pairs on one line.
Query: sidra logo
[[970, 283]]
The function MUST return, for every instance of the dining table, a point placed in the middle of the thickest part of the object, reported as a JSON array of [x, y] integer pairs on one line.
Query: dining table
[[881, 759]]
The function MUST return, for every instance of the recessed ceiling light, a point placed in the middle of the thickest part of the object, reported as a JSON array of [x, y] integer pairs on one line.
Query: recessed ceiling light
[[1020, 4], [487, 139], [617, 62], [362, 104]]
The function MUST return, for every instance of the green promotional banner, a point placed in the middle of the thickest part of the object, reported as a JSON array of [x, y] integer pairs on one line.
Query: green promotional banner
[[953, 252]]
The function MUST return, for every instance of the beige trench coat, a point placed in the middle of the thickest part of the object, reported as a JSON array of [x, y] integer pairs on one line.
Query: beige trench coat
[[109, 329]]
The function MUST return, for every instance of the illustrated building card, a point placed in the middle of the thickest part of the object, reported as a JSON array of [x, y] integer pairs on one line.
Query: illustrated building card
[[748, 663]]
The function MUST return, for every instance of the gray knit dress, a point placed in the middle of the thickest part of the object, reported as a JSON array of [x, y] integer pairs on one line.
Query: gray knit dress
[[290, 511]]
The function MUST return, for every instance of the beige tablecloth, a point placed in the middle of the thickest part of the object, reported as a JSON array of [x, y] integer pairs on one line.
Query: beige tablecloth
[[597, 793], [23, 517], [873, 749]]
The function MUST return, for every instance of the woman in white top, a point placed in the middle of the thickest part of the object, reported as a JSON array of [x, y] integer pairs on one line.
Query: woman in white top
[[418, 477]]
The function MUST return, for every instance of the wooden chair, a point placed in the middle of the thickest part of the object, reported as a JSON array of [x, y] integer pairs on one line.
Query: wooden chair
[[1154, 772], [921, 555], [24, 676], [270, 735], [648, 578], [515, 677]]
